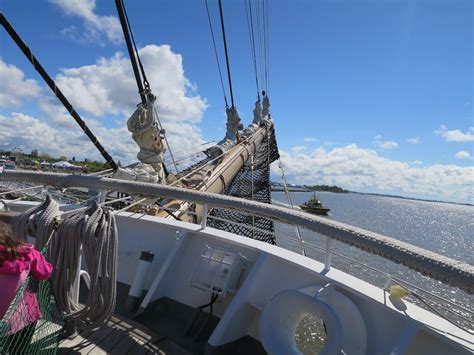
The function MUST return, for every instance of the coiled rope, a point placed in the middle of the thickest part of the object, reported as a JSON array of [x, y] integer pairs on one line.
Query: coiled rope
[[92, 230], [38, 222]]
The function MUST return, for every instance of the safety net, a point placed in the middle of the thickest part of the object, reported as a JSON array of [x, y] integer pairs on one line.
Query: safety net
[[251, 184], [22, 329]]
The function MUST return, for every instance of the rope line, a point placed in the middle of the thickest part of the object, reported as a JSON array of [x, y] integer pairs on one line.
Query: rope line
[[266, 42], [193, 147], [249, 14], [166, 139], [290, 201], [145, 81], [260, 39], [215, 52], [226, 53]]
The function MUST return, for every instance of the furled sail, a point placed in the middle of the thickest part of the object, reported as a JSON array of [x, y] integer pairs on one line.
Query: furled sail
[[148, 136]]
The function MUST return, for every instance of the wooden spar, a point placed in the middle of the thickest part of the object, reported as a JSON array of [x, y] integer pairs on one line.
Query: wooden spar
[[222, 173], [231, 164], [52, 85]]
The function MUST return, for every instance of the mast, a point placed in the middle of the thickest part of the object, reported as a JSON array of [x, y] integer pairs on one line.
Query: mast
[[57, 92]]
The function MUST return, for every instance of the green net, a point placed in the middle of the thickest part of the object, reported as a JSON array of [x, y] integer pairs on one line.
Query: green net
[[33, 322]]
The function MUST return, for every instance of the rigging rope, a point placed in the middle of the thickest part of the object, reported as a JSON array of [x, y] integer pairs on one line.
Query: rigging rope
[[266, 42], [145, 81], [260, 41], [226, 53], [166, 139], [215, 52], [194, 146], [290, 201], [248, 12]]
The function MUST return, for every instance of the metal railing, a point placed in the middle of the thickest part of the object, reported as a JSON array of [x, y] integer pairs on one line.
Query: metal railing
[[38, 192], [444, 269], [328, 250]]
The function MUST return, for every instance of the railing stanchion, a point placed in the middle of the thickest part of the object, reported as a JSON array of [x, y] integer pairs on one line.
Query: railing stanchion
[[327, 258], [204, 216]]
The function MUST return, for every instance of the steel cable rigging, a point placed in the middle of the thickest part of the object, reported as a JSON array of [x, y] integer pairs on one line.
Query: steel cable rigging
[[215, 52], [257, 24], [248, 12], [226, 53], [266, 45], [260, 46]]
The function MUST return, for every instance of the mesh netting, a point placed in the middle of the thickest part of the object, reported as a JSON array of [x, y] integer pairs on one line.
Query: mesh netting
[[244, 183], [20, 330]]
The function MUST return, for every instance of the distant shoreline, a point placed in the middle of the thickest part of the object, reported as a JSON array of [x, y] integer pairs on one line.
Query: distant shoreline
[[411, 198], [295, 189]]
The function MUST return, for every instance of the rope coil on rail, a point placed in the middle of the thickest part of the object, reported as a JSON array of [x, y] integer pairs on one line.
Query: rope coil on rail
[[91, 231], [453, 272]]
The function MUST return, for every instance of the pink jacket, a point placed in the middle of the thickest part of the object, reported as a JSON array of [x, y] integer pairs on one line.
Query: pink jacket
[[12, 275]]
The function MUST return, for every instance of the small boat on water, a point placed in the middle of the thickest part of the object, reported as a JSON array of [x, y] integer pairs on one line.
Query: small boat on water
[[314, 206]]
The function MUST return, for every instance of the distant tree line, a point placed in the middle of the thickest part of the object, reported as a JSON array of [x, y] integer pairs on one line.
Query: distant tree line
[[328, 188], [33, 160]]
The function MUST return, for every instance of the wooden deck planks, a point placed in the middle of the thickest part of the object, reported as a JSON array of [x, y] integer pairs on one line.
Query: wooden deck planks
[[120, 336]]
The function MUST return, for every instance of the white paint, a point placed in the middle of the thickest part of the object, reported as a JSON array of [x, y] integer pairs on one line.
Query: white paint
[[270, 270]]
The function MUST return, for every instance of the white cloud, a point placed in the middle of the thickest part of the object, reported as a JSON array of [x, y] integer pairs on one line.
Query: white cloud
[[455, 135], [106, 88], [310, 139], [55, 112], [414, 140], [96, 27], [462, 154], [109, 87], [19, 130], [361, 169], [14, 88], [298, 149], [387, 145], [384, 144], [28, 133]]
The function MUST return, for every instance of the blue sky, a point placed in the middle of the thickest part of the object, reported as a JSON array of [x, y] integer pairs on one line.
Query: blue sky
[[368, 75]]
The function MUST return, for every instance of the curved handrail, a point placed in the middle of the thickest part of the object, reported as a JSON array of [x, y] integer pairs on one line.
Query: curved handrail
[[450, 271]]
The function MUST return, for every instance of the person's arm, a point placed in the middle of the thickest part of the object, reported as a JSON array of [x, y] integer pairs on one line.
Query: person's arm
[[40, 268]]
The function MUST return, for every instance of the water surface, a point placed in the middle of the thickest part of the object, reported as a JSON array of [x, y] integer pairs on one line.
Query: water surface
[[444, 228]]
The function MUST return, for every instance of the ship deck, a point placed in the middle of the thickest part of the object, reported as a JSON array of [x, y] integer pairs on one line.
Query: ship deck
[[120, 336]]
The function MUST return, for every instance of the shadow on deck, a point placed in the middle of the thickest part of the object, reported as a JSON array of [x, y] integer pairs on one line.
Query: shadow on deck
[[120, 336]]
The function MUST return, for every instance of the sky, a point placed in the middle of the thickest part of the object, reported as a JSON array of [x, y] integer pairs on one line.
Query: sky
[[373, 96]]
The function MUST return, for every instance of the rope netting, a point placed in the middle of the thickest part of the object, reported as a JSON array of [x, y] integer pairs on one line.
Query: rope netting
[[22, 329], [251, 185]]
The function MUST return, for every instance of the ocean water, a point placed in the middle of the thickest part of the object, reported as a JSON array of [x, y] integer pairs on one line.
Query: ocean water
[[444, 228]]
